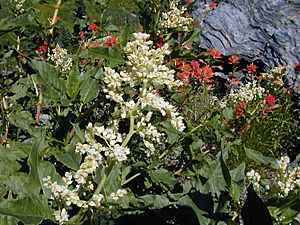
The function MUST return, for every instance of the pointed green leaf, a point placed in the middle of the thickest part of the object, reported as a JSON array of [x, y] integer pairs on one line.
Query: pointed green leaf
[[73, 82], [188, 202], [89, 90], [54, 87], [225, 171], [258, 157], [163, 176], [29, 209]]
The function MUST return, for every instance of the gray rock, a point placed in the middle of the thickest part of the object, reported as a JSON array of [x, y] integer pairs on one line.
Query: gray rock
[[265, 30]]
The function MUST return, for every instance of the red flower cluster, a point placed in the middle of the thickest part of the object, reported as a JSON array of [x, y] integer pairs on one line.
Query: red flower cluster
[[240, 110], [269, 101], [202, 74], [93, 27], [234, 59], [251, 68], [215, 53], [111, 40], [297, 68], [212, 5]]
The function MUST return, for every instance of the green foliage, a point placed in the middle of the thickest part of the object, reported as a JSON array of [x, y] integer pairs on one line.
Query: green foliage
[[47, 108]]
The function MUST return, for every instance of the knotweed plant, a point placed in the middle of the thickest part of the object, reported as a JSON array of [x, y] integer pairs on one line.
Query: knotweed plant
[[285, 180], [133, 89], [175, 19]]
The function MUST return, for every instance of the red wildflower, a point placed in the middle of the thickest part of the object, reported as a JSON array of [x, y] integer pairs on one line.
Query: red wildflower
[[234, 59], [82, 36], [43, 48], [234, 81], [240, 109], [184, 77], [57, 18], [181, 90], [111, 40], [160, 42], [214, 52], [269, 100], [297, 68], [93, 27], [266, 112], [212, 5], [206, 73], [195, 65], [97, 44], [251, 68]]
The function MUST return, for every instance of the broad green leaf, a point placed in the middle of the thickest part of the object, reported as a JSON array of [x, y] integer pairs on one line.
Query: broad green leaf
[[69, 157], [125, 34], [163, 176], [215, 180], [89, 90], [228, 113], [258, 157], [23, 120], [155, 201], [113, 180], [188, 202], [31, 209], [73, 82], [235, 191], [8, 161], [79, 133], [112, 54], [54, 87], [19, 91], [33, 182], [172, 133], [8, 220], [48, 169], [225, 171]]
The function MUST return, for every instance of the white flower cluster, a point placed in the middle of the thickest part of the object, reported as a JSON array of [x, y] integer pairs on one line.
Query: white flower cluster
[[145, 70], [148, 132], [246, 93], [113, 148], [276, 75], [61, 216], [19, 5], [60, 59], [254, 177], [115, 196], [175, 18], [284, 181], [288, 179]]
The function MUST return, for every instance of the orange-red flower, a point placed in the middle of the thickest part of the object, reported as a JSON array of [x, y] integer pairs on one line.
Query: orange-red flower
[[297, 68], [240, 109], [212, 5], [251, 68], [214, 53], [269, 100], [234, 59], [93, 27], [111, 40]]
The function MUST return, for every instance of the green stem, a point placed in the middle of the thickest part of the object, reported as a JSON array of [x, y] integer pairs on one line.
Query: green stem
[[55, 15], [131, 131], [131, 178]]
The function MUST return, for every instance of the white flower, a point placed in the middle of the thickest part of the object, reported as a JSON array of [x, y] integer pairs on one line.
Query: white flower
[[61, 216], [246, 93], [175, 17], [60, 59]]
